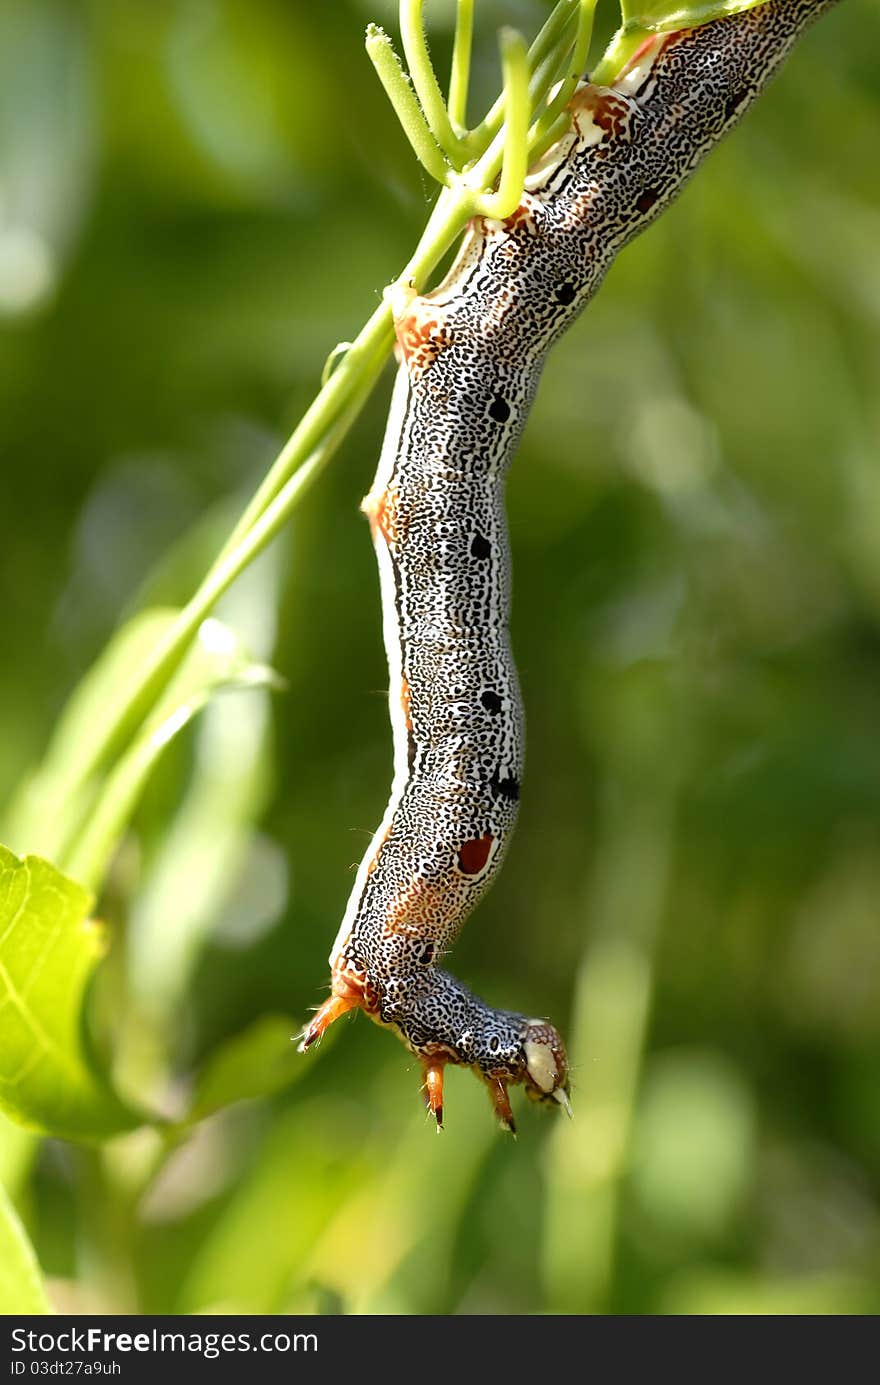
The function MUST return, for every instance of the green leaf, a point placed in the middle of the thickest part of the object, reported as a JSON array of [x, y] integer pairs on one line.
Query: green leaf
[[259, 1061], [49, 947], [641, 18], [18, 1149], [21, 1284]]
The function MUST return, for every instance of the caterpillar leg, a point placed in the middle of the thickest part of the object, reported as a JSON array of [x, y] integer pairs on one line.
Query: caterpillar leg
[[432, 1085], [501, 1103], [333, 1007], [350, 990]]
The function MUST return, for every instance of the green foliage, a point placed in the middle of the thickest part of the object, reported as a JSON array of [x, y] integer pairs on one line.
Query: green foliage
[[49, 947], [259, 1062], [21, 1287]]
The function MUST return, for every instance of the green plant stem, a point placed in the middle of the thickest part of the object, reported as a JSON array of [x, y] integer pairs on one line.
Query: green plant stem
[[334, 408], [460, 72], [577, 65], [515, 151], [368, 352], [424, 79], [88, 857], [407, 109], [538, 146], [546, 56]]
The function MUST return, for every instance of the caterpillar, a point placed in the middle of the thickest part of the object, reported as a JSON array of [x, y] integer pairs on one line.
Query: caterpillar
[[471, 354]]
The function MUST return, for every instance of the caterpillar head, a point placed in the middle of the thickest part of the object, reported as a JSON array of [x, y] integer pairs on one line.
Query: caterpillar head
[[545, 1066]]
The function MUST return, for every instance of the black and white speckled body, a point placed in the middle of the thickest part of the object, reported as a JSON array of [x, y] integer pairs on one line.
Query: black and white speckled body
[[471, 356]]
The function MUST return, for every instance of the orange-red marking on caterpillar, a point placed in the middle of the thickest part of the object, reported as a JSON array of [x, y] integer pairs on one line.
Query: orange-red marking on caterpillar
[[383, 513], [420, 328], [406, 704], [419, 910], [655, 43], [610, 112], [473, 855], [525, 216]]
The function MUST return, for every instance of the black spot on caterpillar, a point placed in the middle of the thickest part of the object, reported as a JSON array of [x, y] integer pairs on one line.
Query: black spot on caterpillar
[[480, 547], [504, 786], [733, 103], [646, 200]]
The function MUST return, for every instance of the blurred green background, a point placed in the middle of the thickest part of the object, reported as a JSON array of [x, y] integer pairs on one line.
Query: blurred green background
[[198, 199]]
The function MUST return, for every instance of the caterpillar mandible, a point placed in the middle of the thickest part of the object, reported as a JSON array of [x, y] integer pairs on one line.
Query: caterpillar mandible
[[471, 355]]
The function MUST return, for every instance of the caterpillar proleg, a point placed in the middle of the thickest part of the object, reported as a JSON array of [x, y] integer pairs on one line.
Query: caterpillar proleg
[[471, 355]]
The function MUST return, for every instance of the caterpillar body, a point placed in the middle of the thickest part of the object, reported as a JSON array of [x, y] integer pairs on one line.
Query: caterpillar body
[[471, 355]]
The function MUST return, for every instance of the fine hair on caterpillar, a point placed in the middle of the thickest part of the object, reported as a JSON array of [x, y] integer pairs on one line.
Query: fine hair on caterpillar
[[471, 354]]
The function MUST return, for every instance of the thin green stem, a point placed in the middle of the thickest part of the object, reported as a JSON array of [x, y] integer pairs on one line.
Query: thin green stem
[[545, 55], [332, 360], [540, 143], [407, 109], [89, 855], [362, 362], [375, 335], [373, 341], [515, 66], [459, 77], [586, 15], [553, 29], [586, 18], [424, 79], [445, 223]]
